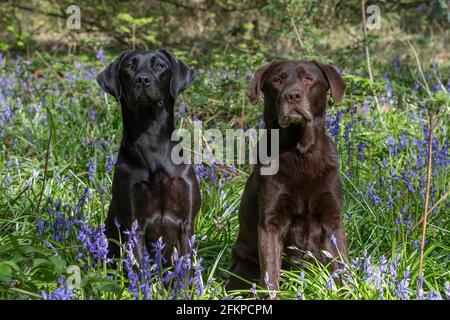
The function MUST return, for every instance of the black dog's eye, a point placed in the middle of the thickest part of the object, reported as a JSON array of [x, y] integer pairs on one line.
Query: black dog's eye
[[128, 66], [277, 82], [308, 79], [158, 66]]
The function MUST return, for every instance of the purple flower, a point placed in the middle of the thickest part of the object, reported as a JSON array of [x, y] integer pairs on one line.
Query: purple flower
[[447, 290], [403, 291], [157, 252], [391, 145], [330, 282], [333, 124], [372, 194], [40, 227], [333, 240], [129, 261], [403, 140], [91, 115], [327, 254], [60, 293], [182, 107], [419, 293], [253, 291], [361, 151], [6, 114], [94, 242], [110, 162], [396, 63], [100, 55], [434, 296], [91, 169]]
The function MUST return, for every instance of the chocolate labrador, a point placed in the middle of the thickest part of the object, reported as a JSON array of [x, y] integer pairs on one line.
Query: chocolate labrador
[[147, 185], [298, 209]]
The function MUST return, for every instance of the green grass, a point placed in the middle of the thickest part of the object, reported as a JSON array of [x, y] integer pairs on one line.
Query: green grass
[[28, 265]]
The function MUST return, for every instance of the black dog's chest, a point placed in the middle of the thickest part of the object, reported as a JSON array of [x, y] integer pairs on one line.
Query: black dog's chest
[[160, 193]]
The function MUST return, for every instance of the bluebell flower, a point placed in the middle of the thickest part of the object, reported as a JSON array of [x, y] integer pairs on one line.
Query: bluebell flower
[[253, 291], [447, 289], [130, 261], [91, 115], [391, 145], [333, 123], [372, 194], [94, 242], [60, 293], [330, 282], [182, 107], [110, 162], [6, 114], [403, 291], [396, 63], [100, 55], [40, 227], [433, 296], [91, 169], [419, 293], [361, 146]]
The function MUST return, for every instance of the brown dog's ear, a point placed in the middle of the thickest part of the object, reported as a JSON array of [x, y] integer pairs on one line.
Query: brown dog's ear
[[335, 81], [108, 79], [254, 88]]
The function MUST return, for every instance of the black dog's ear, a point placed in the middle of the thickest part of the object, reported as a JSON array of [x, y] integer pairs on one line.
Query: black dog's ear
[[254, 88], [182, 75], [335, 81], [108, 79]]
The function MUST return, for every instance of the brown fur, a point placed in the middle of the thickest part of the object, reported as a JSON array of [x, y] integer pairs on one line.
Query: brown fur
[[300, 206]]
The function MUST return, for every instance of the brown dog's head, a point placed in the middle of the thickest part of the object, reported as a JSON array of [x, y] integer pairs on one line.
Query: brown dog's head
[[295, 91]]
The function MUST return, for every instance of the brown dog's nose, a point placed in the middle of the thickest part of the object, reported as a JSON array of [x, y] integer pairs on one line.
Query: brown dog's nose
[[142, 80], [293, 96]]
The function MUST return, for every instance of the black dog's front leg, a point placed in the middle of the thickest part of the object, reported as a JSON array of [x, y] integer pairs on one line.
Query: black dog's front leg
[[121, 213]]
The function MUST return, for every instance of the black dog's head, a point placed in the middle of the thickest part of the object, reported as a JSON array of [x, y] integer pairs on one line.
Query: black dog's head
[[295, 91], [143, 78]]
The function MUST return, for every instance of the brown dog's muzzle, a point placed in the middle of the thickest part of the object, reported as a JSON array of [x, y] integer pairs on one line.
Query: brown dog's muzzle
[[293, 109]]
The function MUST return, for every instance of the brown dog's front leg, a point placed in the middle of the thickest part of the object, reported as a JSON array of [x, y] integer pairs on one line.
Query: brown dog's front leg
[[270, 251]]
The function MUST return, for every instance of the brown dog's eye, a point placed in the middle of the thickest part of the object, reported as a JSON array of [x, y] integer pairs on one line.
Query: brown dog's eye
[[128, 66], [308, 79], [277, 82]]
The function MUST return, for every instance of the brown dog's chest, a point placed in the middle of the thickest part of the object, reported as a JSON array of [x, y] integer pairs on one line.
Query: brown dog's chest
[[303, 177]]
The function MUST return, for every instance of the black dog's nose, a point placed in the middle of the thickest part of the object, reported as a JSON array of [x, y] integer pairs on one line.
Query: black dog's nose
[[142, 80], [293, 96]]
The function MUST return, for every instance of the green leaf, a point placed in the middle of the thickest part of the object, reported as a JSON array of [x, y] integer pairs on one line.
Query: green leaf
[[5, 272], [58, 263]]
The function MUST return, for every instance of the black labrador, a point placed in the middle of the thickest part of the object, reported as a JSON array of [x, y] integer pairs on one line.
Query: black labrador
[[147, 186], [298, 209]]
